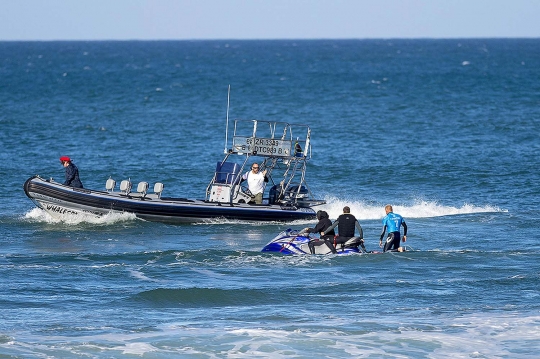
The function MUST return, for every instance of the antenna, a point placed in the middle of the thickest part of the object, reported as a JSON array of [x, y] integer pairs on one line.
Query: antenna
[[227, 124]]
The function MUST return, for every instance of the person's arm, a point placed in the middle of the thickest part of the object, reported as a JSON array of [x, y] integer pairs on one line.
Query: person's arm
[[334, 225], [318, 228], [244, 177], [383, 231], [309, 230], [404, 231], [360, 231]]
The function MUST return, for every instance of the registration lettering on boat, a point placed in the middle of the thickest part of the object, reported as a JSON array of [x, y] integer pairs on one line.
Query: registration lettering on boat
[[262, 146], [58, 209]]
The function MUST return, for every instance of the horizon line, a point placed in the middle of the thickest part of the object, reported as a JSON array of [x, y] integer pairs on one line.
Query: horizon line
[[281, 39]]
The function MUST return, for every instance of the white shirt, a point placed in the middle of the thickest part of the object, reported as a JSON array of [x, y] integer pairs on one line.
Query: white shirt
[[255, 182]]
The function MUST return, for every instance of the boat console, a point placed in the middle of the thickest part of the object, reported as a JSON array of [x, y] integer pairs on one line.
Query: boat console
[[280, 148]]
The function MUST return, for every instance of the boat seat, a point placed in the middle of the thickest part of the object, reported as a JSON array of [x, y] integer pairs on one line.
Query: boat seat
[[125, 186], [158, 188], [142, 188], [110, 184]]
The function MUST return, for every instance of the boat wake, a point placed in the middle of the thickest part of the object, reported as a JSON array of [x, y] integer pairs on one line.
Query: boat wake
[[225, 221], [418, 209], [39, 215]]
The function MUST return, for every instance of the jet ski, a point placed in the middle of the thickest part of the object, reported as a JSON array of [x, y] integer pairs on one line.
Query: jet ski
[[293, 241]]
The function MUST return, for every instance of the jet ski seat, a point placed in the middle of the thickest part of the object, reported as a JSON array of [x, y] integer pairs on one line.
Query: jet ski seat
[[354, 242], [125, 187], [110, 184]]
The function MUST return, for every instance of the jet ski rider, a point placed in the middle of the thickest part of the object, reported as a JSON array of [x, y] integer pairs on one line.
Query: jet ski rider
[[346, 224], [323, 224]]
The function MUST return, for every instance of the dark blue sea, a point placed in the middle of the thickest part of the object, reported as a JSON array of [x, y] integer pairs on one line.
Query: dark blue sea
[[445, 130]]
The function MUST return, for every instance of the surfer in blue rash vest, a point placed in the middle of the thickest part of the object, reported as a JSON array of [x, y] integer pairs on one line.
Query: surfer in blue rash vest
[[392, 222]]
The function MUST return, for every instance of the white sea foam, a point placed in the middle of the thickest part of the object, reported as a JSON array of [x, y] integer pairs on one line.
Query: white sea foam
[[417, 209], [479, 335], [136, 348], [39, 215], [137, 274]]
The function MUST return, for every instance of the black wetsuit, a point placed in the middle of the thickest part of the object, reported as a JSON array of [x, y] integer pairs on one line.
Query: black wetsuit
[[393, 239], [327, 239], [323, 224], [72, 176], [346, 224]]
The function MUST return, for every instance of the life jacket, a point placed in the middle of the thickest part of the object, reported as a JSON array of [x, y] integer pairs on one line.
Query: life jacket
[[346, 225]]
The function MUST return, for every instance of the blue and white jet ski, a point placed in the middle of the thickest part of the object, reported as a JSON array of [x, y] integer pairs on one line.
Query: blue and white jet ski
[[293, 241]]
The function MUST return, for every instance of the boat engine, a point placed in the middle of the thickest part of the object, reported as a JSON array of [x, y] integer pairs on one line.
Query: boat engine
[[292, 193]]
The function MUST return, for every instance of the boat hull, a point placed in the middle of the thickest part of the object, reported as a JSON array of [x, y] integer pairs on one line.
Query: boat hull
[[58, 200]]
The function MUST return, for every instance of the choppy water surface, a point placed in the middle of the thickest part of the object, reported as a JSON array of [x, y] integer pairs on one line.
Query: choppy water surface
[[446, 130]]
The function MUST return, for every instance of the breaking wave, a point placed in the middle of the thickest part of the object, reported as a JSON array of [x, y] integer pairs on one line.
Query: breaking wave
[[418, 209]]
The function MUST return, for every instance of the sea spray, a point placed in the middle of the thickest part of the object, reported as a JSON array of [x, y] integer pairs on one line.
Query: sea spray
[[416, 209]]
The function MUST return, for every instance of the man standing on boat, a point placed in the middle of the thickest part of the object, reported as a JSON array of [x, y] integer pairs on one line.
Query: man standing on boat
[[256, 182], [72, 173], [346, 224], [392, 222]]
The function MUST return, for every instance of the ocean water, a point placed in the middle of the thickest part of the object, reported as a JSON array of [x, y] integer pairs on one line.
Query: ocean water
[[445, 130]]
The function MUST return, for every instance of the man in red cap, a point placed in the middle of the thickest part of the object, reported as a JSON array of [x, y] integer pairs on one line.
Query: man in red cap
[[72, 173]]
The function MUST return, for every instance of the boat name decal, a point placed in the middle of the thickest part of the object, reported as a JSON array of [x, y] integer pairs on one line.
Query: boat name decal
[[58, 209]]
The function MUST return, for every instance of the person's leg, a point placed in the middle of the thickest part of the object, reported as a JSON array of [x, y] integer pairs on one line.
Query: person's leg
[[392, 242], [311, 245], [339, 241], [320, 246], [389, 242], [330, 245], [397, 239], [258, 198], [329, 241], [362, 245]]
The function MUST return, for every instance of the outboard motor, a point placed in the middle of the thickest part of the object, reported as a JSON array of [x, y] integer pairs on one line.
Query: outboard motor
[[293, 193], [273, 194]]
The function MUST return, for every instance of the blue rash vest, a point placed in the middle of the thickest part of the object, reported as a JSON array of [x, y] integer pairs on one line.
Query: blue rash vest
[[392, 221]]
